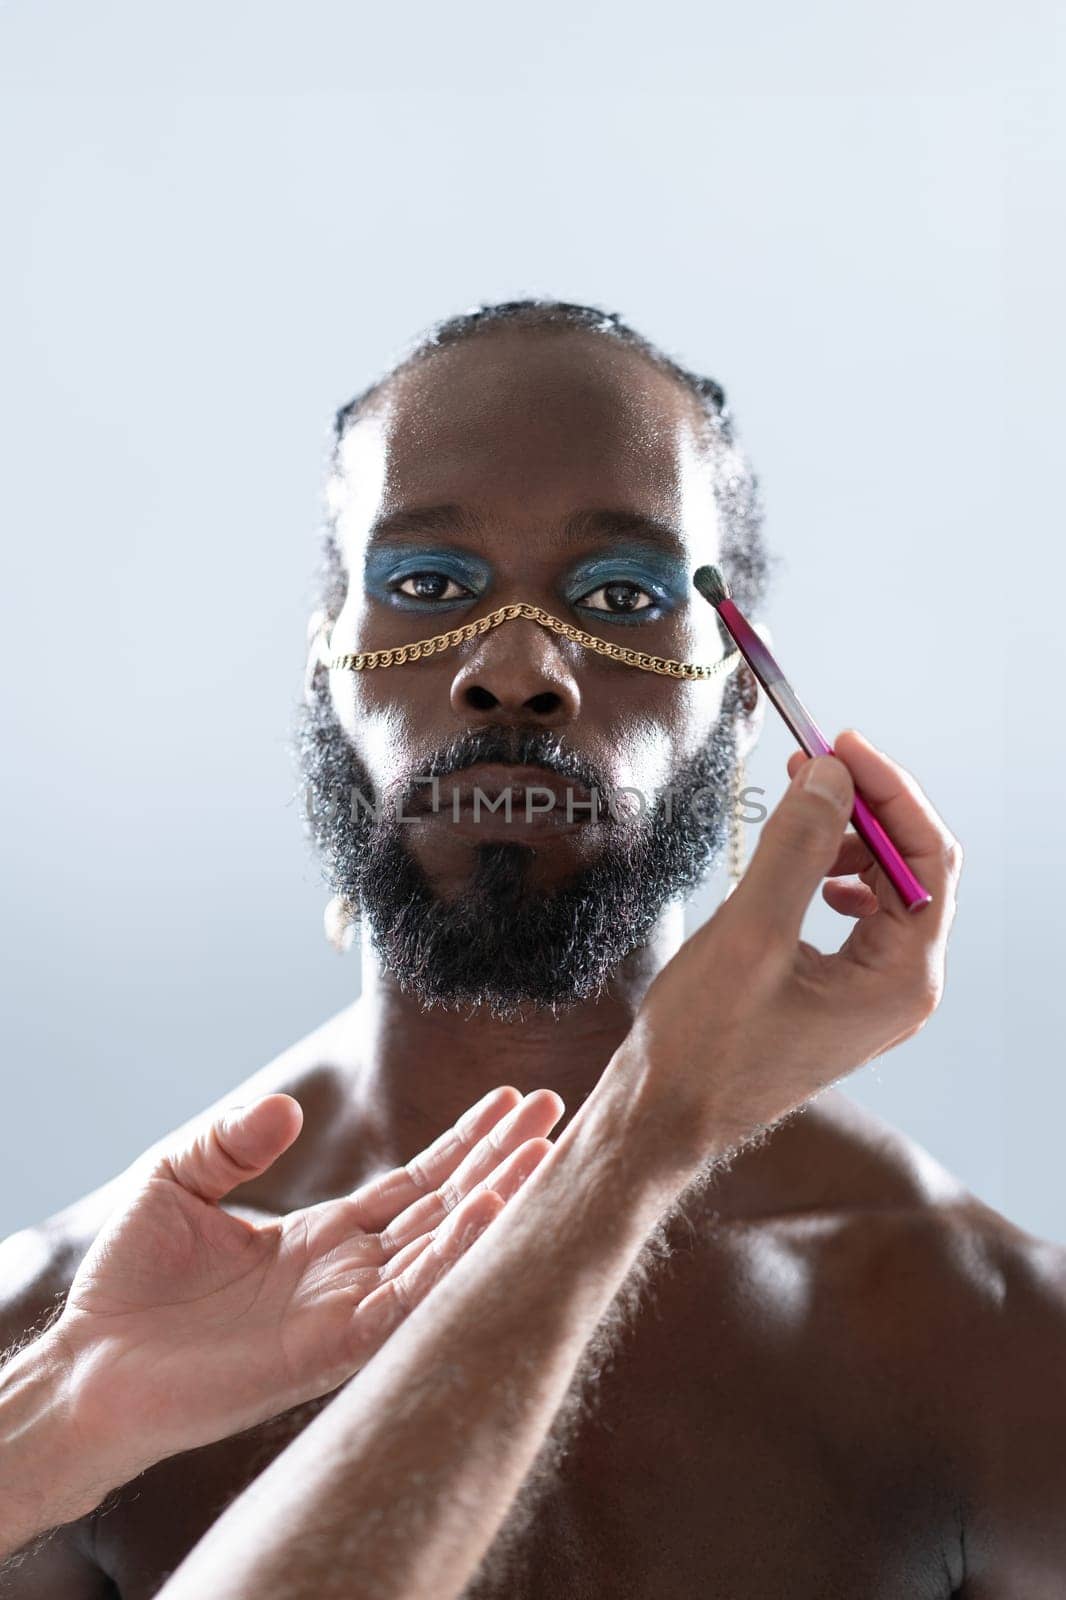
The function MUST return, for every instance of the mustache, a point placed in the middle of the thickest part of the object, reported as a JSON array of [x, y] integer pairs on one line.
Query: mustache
[[519, 746]]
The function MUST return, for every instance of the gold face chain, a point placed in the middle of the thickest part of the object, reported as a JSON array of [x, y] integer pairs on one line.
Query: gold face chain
[[364, 660]]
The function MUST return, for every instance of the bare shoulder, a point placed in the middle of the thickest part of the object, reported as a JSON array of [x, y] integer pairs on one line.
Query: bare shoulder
[[962, 1315], [854, 1162], [840, 1168], [887, 1200], [895, 1251]]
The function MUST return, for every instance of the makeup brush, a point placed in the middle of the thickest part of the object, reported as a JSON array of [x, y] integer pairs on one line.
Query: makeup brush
[[713, 587]]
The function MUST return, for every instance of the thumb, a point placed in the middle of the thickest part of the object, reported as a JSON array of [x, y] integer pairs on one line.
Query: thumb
[[798, 845], [236, 1145]]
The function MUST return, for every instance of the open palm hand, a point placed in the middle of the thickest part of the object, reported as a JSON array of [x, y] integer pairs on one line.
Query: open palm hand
[[186, 1324]]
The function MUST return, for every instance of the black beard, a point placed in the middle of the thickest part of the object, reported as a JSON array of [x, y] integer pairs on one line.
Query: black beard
[[501, 944]]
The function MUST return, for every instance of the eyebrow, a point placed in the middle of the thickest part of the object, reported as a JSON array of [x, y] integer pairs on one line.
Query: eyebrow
[[580, 526]]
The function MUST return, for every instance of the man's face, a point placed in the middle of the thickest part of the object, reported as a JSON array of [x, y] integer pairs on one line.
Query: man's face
[[563, 471]]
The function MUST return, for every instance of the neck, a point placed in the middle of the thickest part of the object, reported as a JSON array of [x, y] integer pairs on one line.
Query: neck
[[418, 1070]]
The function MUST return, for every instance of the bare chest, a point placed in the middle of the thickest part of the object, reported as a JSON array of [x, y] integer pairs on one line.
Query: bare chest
[[736, 1478], [646, 1501], [718, 1452], [739, 1508]]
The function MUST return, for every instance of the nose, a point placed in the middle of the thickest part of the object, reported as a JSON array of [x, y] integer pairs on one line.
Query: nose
[[517, 672]]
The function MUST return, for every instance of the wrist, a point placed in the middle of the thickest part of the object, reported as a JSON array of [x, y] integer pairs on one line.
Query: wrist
[[50, 1473], [675, 1133]]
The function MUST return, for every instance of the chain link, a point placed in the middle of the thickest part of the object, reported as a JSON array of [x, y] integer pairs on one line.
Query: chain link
[[364, 660]]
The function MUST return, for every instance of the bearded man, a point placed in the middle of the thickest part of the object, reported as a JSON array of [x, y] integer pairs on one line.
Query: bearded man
[[733, 1336]]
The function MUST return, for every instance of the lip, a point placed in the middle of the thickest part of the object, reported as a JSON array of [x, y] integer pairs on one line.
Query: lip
[[490, 780]]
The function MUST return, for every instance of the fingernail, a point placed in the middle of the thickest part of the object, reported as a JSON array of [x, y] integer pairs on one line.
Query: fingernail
[[827, 776]]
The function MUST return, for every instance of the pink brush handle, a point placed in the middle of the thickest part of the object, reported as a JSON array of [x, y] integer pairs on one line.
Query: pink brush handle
[[870, 831], [913, 894]]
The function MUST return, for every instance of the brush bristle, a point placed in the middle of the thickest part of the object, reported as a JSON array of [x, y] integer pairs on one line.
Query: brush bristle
[[711, 584]]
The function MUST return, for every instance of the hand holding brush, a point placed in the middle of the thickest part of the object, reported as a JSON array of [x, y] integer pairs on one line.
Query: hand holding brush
[[713, 587]]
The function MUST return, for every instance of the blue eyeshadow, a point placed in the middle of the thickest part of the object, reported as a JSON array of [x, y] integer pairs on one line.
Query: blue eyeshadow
[[389, 565], [664, 578]]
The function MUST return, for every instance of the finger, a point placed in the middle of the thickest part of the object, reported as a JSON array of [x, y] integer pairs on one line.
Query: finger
[[342, 1224], [850, 896], [377, 1203], [910, 948], [404, 1257], [858, 887], [465, 1224], [532, 1118], [508, 1177], [853, 857], [919, 833], [505, 1181], [235, 1146], [901, 805], [797, 846], [511, 1174], [375, 1316], [927, 845]]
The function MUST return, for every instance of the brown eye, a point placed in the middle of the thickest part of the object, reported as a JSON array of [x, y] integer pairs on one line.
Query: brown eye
[[618, 597], [431, 586]]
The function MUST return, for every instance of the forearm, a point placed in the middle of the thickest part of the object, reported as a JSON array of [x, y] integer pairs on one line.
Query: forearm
[[406, 1476], [47, 1476]]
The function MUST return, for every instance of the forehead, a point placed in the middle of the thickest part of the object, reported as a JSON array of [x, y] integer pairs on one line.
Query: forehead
[[528, 427]]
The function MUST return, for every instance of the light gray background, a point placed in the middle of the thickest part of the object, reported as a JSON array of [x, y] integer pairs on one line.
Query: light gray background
[[221, 221]]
